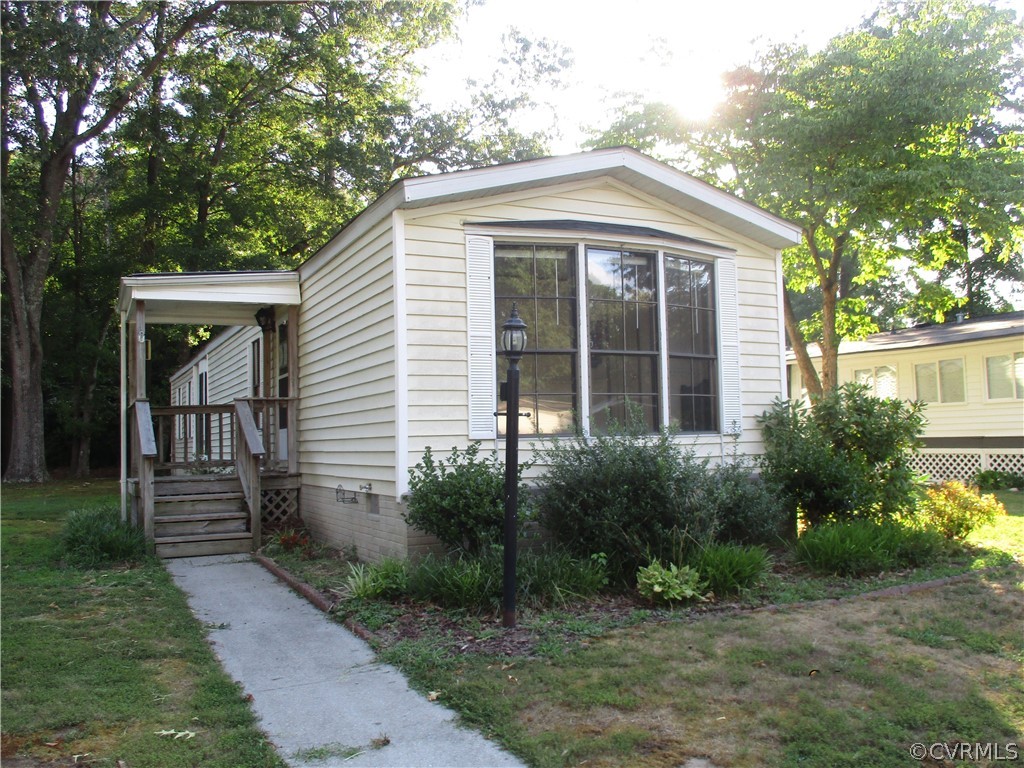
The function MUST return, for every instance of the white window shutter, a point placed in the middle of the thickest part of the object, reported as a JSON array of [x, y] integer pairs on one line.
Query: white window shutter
[[480, 323], [729, 335]]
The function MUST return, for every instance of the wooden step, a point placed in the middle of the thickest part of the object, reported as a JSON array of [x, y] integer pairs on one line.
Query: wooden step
[[199, 546], [186, 497], [200, 524], [186, 485]]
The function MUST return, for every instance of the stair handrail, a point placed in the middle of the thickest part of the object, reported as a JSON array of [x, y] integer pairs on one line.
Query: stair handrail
[[145, 444], [248, 453]]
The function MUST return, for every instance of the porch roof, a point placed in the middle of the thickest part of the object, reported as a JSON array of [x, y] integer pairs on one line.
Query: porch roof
[[208, 298]]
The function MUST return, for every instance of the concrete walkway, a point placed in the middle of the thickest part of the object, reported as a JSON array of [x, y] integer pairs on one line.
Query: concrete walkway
[[318, 691]]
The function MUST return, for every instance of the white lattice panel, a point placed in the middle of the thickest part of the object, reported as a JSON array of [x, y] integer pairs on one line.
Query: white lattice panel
[[279, 506], [1007, 462], [947, 466]]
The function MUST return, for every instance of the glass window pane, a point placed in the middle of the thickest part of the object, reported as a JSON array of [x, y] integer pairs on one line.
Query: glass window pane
[[680, 330], [553, 326], [513, 272], [554, 414], [865, 376], [678, 288], [951, 378], [704, 414], [704, 377], [704, 332], [604, 274], [556, 374], [885, 381], [638, 276], [680, 376], [703, 284], [998, 372], [927, 382], [640, 331], [641, 373], [606, 373], [605, 321]]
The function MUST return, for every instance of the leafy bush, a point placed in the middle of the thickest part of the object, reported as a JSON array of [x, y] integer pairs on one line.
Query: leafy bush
[[731, 568], [848, 456], [96, 537], [667, 585], [461, 501], [858, 547], [954, 510], [634, 497], [998, 480], [748, 509]]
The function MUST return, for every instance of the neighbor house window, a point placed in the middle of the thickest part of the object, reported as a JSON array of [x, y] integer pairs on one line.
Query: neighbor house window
[[1005, 376], [639, 337], [542, 282], [881, 380], [941, 382]]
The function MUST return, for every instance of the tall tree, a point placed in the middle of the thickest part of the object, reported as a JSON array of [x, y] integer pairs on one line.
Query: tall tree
[[899, 140], [69, 71]]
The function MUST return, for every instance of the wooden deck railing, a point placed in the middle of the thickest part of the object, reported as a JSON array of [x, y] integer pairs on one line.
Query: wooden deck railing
[[249, 453], [144, 452]]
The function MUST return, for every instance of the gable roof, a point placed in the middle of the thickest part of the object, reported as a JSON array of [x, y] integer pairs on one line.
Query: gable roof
[[982, 328], [622, 163]]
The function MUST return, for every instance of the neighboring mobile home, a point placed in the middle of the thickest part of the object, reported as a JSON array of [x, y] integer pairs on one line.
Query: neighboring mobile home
[[969, 374], [638, 284]]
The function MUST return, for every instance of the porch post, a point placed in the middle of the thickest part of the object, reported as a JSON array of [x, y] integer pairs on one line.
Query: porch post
[[140, 350], [293, 390], [123, 397]]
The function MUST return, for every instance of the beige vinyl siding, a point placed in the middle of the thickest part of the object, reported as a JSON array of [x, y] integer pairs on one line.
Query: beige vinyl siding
[[229, 374], [347, 409], [977, 416], [437, 309]]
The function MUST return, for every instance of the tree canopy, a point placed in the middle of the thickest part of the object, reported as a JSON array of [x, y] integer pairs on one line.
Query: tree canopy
[[897, 148], [184, 136]]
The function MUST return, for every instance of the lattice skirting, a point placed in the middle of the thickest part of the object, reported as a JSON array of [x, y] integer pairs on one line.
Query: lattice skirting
[[963, 464], [280, 507]]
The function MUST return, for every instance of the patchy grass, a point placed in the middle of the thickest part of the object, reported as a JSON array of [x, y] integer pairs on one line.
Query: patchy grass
[[108, 664]]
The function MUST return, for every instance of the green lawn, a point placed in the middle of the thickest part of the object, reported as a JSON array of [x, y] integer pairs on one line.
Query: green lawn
[[108, 665]]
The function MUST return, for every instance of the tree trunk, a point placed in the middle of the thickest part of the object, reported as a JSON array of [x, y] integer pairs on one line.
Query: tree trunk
[[803, 359], [829, 340]]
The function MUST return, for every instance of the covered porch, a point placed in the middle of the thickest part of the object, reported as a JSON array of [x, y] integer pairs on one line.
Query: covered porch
[[201, 477]]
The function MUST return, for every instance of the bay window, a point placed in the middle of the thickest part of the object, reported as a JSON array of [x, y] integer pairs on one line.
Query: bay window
[[617, 335]]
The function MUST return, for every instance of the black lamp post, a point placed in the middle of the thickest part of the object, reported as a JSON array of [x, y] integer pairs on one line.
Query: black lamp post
[[513, 342]]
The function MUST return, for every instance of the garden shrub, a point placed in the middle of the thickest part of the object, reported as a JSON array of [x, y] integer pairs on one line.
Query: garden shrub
[[847, 456], [998, 480], [748, 509], [731, 568], [634, 497], [667, 585], [461, 501], [96, 537], [954, 510]]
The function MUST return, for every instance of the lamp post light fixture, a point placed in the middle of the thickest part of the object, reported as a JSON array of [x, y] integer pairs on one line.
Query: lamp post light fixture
[[513, 343]]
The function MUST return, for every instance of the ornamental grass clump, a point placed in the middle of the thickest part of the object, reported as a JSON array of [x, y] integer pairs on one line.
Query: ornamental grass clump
[[93, 538]]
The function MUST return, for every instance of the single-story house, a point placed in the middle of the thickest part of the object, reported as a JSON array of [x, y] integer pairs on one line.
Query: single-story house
[[969, 374], [639, 285]]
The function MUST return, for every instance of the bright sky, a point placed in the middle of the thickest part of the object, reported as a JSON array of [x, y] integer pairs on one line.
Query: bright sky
[[670, 50]]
